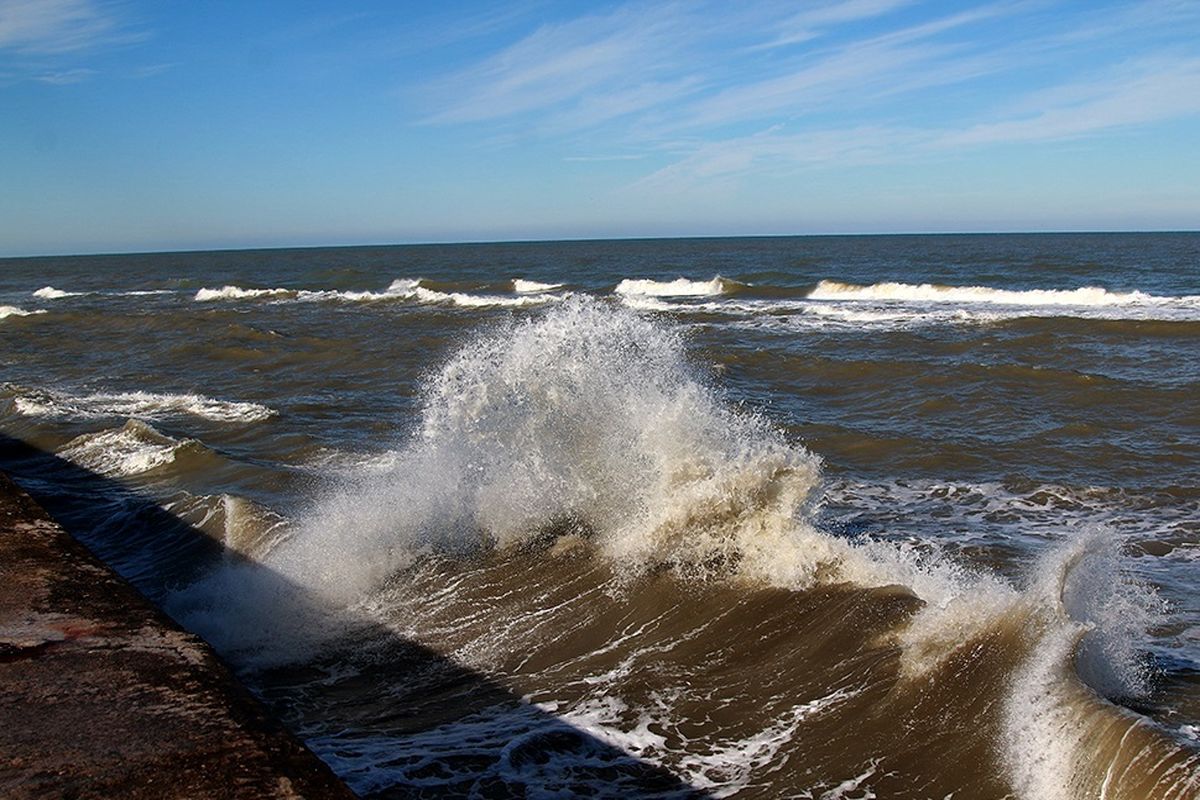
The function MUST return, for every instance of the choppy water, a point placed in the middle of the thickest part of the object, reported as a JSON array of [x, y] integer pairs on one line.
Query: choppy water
[[830, 517]]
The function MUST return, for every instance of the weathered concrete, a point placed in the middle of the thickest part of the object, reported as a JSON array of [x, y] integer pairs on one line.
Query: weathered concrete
[[102, 695]]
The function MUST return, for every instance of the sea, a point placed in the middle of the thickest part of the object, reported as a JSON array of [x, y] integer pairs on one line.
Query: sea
[[825, 517]]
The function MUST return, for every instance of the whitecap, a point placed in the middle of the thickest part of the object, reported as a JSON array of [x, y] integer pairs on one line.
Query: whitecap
[[14, 311], [680, 287], [50, 293], [239, 293], [934, 293], [142, 405], [522, 286]]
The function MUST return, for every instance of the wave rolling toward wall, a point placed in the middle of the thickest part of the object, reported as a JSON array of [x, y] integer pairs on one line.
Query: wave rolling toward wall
[[580, 514]]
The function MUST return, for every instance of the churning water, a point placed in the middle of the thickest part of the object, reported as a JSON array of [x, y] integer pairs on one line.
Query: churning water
[[829, 517]]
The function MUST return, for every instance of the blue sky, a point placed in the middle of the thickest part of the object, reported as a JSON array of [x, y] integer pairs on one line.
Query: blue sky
[[176, 125]]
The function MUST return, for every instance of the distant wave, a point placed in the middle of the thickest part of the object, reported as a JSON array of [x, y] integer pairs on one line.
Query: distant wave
[[522, 286], [131, 449], [50, 293], [138, 405], [238, 293], [410, 289], [13, 311], [680, 287], [934, 293]]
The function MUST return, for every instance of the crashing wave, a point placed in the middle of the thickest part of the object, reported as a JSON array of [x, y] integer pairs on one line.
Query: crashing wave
[[934, 293], [50, 293], [14, 311], [680, 287], [239, 293], [522, 286], [132, 449], [140, 405]]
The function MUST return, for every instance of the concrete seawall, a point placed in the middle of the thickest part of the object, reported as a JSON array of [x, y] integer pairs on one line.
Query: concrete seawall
[[102, 695]]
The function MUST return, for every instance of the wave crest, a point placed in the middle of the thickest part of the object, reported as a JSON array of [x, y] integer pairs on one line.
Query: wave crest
[[680, 287], [132, 449], [14, 311], [141, 405], [934, 293], [588, 419], [50, 293]]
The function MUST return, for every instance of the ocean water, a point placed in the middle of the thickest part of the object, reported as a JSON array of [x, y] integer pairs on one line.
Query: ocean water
[[813, 517]]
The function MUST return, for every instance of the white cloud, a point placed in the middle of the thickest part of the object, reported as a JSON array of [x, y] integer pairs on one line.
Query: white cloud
[[613, 54], [808, 24], [65, 77], [1152, 92], [686, 82], [50, 27]]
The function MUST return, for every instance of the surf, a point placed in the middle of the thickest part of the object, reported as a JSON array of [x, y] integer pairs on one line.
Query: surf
[[579, 511]]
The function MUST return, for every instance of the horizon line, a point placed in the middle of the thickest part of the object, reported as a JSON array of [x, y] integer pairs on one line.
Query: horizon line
[[585, 239]]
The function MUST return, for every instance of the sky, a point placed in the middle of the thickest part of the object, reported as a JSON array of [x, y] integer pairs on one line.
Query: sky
[[171, 125]]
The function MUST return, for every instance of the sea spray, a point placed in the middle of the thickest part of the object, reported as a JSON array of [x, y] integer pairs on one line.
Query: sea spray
[[589, 416], [1084, 620]]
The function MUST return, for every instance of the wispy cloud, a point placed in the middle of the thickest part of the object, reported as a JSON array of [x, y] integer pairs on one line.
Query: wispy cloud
[[809, 23], [1153, 91], [611, 54], [589, 159], [51, 27], [710, 94], [65, 77], [1135, 95], [776, 149], [51, 41]]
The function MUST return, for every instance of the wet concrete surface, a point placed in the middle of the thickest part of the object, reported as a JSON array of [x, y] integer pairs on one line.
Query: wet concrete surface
[[102, 695]]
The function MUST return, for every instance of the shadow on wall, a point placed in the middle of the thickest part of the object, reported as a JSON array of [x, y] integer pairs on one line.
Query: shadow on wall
[[392, 717]]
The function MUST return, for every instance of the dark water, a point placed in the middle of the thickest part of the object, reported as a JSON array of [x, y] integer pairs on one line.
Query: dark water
[[840, 517]]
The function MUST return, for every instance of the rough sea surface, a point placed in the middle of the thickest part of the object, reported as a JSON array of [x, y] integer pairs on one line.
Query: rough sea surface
[[814, 517]]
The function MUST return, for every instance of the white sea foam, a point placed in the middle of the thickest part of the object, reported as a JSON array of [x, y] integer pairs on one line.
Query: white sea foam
[[345, 296], [50, 293], [1080, 599], [933, 293], [239, 293], [423, 295], [140, 405], [131, 449], [14, 311], [644, 303], [481, 301], [348, 463], [730, 766], [409, 289], [522, 286], [680, 287], [589, 413]]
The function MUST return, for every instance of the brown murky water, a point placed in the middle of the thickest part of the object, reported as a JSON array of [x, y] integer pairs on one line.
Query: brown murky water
[[833, 517]]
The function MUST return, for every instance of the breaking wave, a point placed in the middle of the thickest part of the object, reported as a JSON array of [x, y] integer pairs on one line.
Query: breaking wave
[[14, 311], [680, 287], [132, 449], [401, 289], [140, 405], [50, 293], [522, 286], [551, 452], [239, 293], [933, 293]]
